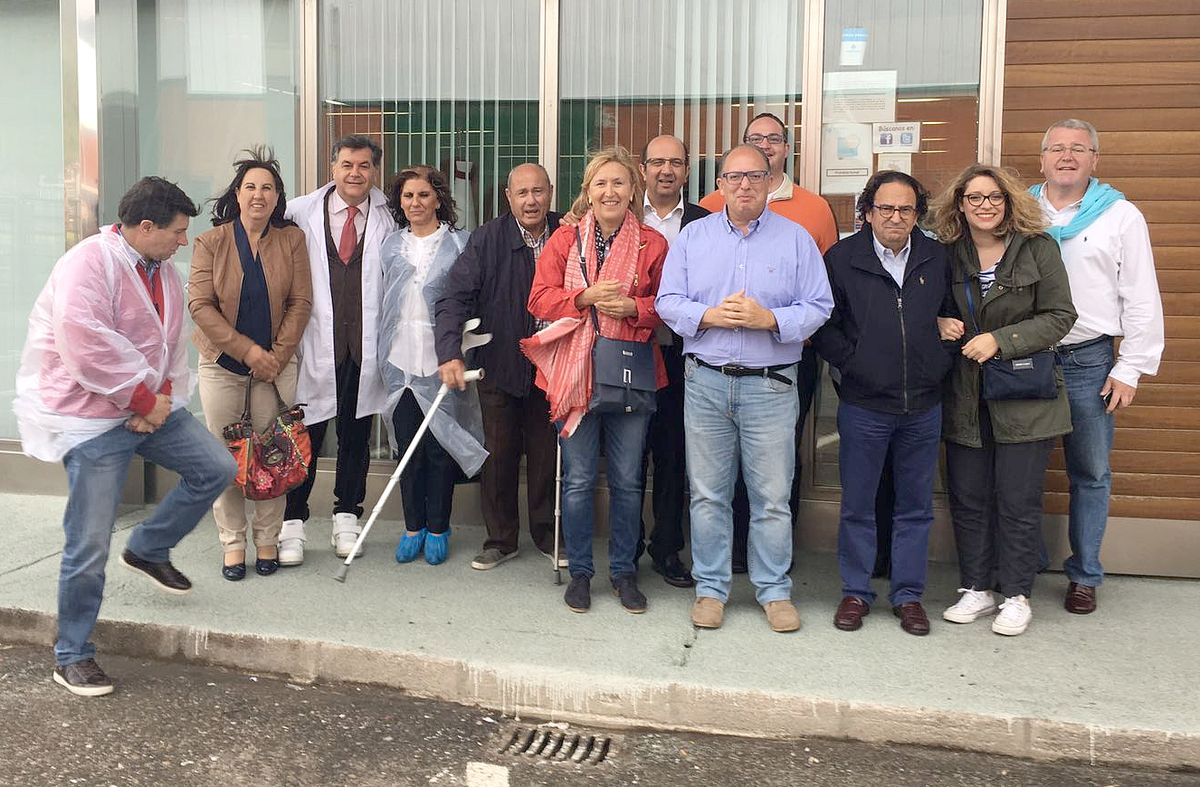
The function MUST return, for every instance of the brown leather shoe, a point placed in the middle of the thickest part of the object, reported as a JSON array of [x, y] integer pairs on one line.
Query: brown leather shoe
[[912, 618], [850, 613], [1081, 599]]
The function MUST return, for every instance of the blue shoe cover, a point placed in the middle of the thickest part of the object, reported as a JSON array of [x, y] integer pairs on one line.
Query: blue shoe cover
[[437, 548], [410, 546]]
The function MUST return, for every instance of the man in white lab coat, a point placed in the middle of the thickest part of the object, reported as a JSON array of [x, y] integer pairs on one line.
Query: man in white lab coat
[[345, 222]]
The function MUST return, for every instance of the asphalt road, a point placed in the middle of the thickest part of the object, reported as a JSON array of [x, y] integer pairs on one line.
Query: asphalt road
[[179, 724]]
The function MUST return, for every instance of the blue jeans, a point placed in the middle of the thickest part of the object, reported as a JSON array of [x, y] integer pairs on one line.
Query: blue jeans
[[624, 438], [866, 437], [96, 472], [751, 420], [1087, 450]]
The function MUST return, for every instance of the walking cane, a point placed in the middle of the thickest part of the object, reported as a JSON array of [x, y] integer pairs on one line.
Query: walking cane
[[470, 340], [557, 509]]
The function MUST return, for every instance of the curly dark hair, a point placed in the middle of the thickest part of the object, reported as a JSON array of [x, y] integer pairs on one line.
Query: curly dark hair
[[225, 207], [866, 200], [447, 210]]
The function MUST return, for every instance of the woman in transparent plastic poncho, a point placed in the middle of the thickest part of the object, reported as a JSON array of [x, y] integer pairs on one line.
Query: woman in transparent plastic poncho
[[416, 259]]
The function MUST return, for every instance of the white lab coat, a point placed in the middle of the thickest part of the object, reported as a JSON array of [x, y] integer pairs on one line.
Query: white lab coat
[[317, 386]]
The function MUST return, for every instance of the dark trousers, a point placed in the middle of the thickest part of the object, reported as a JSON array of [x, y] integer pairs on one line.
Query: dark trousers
[[353, 453], [808, 375], [885, 506], [513, 425], [665, 448], [427, 483], [867, 438], [996, 507]]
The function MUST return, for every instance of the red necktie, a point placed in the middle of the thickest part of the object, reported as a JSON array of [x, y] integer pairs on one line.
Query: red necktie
[[349, 236]]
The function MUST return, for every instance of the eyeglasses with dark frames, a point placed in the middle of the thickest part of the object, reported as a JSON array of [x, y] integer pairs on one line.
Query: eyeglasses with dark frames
[[758, 139], [975, 199], [754, 176], [886, 211], [677, 163]]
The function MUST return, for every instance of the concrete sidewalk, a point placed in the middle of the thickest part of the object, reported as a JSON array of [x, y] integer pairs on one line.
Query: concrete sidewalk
[[1120, 686]]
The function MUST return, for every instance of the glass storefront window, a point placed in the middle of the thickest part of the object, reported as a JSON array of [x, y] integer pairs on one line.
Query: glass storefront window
[[185, 86], [901, 92], [452, 85], [32, 226], [699, 69]]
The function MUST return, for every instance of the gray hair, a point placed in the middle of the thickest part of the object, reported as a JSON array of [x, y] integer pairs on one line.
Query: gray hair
[[1078, 125], [743, 146]]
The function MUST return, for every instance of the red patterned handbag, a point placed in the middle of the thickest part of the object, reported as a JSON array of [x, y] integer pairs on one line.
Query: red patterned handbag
[[275, 461]]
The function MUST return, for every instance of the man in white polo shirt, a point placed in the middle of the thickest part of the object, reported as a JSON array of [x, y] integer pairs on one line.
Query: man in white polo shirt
[[1106, 248]]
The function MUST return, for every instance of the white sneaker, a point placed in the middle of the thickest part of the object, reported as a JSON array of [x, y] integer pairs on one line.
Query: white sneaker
[[291, 542], [973, 605], [1014, 617], [345, 533]]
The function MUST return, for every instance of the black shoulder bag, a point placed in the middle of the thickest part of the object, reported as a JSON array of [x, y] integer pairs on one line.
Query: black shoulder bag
[[623, 379], [1028, 377]]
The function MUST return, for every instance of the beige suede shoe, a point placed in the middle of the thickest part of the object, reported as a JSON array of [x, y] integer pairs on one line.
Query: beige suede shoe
[[707, 613], [782, 616]]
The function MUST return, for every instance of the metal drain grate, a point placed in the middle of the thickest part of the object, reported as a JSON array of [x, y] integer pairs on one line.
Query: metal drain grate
[[558, 746]]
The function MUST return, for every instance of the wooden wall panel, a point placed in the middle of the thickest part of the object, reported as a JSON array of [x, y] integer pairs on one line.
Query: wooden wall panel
[[1132, 68]]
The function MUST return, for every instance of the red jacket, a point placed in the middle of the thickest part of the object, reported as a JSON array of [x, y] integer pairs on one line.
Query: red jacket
[[550, 300]]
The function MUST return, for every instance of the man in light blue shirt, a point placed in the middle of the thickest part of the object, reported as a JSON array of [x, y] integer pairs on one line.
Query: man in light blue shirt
[[744, 288]]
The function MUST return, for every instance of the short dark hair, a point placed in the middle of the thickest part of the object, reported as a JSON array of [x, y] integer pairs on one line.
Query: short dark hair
[[154, 199], [760, 116], [358, 142], [687, 156], [225, 207], [866, 200], [447, 211]]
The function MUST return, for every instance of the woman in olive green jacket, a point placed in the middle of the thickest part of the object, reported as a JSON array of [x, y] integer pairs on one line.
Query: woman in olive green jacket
[[997, 450]]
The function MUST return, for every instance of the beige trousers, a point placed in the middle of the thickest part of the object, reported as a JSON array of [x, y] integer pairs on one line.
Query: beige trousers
[[223, 395]]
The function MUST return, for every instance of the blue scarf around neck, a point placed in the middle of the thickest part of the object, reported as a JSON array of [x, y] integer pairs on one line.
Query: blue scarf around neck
[[1098, 198]]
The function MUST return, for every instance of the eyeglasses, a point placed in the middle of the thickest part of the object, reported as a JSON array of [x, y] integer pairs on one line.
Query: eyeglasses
[[677, 163], [905, 211], [1076, 150], [755, 176], [976, 200], [758, 139]]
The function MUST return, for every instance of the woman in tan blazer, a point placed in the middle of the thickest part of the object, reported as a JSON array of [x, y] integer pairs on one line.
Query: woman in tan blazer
[[250, 294]]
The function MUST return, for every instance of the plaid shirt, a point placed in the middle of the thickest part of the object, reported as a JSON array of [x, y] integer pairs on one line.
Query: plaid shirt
[[535, 246]]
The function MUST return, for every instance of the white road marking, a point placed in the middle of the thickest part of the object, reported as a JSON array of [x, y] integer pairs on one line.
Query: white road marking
[[482, 774]]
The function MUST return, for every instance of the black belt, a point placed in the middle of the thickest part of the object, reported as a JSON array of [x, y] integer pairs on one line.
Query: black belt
[[731, 370], [1065, 348]]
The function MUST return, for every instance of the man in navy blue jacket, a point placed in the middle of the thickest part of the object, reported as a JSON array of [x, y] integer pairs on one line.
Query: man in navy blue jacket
[[491, 280], [889, 282]]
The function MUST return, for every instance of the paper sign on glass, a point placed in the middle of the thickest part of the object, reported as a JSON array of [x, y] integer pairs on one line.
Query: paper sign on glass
[[859, 97], [845, 157]]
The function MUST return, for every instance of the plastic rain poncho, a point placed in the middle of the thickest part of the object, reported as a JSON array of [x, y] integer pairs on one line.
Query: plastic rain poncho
[[93, 337], [458, 424]]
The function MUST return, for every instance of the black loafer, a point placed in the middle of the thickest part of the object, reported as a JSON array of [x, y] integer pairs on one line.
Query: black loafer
[[673, 572], [235, 572], [265, 567], [165, 576]]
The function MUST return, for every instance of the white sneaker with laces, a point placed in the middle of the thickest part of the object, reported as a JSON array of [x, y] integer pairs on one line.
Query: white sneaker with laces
[[291, 542], [345, 533], [973, 605], [1014, 617]]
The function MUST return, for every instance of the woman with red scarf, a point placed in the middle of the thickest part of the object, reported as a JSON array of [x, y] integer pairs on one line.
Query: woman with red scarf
[[623, 259]]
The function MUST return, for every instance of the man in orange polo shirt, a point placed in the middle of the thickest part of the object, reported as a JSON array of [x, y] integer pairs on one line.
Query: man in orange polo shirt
[[768, 133]]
